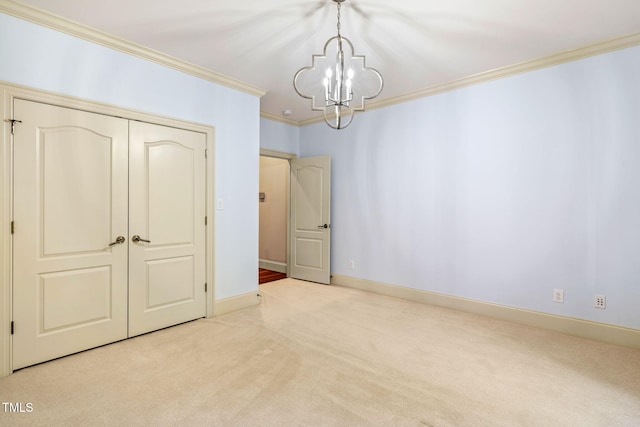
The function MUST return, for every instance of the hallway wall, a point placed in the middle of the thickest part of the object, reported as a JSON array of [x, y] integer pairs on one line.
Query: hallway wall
[[274, 178]]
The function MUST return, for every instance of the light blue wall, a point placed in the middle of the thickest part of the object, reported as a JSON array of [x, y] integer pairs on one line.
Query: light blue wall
[[41, 58], [279, 136], [499, 192]]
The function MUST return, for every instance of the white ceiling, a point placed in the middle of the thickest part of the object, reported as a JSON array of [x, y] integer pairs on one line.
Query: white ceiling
[[415, 44]]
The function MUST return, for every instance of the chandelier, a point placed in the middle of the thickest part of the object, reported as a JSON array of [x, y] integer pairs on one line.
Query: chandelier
[[338, 84]]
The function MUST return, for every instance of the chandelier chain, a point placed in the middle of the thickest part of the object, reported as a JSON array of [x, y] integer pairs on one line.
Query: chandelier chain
[[338, 24]]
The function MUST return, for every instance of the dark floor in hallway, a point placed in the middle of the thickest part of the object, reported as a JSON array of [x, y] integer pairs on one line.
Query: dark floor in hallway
[[265, 276]]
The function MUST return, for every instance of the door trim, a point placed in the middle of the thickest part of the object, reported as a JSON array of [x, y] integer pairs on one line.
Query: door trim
[[277, 154], [8, 93]]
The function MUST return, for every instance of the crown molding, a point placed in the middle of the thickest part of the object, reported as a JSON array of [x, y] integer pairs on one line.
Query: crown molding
[[277, 118], [59, 23], [507, 71], [519, 68]]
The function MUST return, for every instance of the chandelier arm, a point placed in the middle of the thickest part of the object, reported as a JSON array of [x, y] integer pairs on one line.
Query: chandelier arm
[[295, 82], [330, 119], [377, 73], [340, 71]]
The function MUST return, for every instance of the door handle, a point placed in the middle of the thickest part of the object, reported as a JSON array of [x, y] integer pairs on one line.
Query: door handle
[[119, 240], [136, 239], [323, 226]]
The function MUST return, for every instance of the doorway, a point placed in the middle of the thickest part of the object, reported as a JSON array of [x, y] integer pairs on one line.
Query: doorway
[[273, 204], [308, 214]]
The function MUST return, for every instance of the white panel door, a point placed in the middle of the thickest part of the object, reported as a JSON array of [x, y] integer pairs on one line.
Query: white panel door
[[70, 203], [167, 227], [311, 219]]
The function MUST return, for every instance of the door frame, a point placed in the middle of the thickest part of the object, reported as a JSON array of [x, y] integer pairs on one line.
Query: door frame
[[264, 152], [8, 93]]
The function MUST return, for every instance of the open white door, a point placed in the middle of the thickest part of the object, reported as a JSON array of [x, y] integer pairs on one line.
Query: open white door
[[311, 219]]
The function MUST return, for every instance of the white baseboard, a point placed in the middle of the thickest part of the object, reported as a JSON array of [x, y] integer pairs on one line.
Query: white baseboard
[[604, 332], [238, 302], [280, 267]]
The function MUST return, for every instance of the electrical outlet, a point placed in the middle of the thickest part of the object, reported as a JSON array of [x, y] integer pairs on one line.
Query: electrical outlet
[[558, 295], [600, 301], [352, 264]]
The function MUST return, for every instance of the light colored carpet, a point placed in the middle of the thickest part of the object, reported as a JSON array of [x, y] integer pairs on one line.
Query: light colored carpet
[[315, 355]]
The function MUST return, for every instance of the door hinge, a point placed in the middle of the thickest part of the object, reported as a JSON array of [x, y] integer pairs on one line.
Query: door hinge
[[13, 124], [205, 220], [205, 286], [12, 327], [13, 227]]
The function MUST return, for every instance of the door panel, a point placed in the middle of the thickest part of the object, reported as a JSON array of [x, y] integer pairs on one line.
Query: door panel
[[92, 286], [309, 252], [171, 193], [67, 154], [167, 207], [70, 202], [311, 211], [170, 281]]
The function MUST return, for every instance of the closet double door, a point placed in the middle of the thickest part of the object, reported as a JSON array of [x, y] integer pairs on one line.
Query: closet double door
[[109, 230]]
